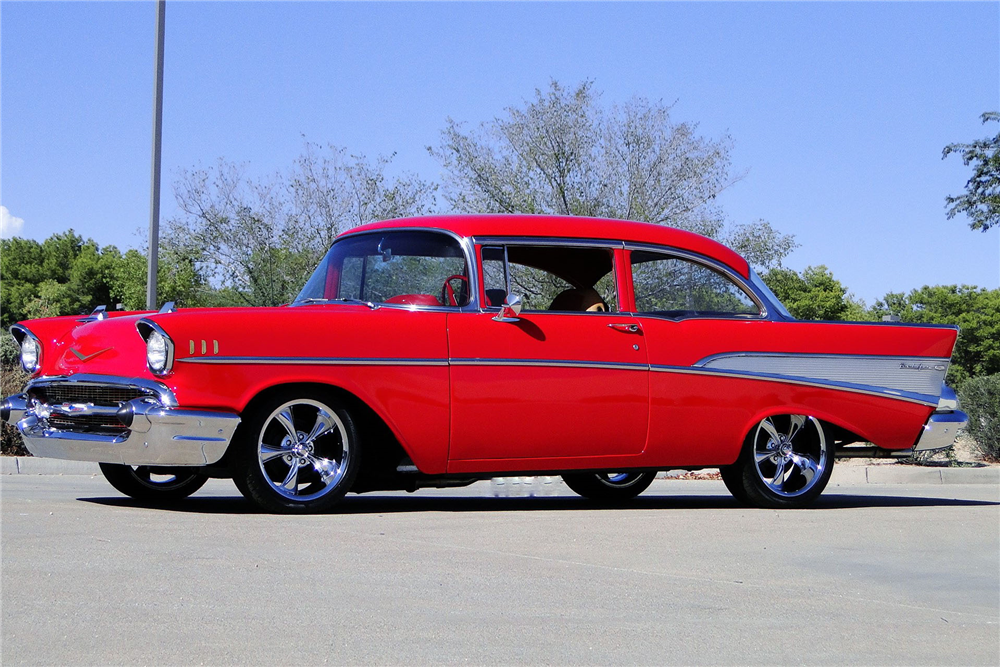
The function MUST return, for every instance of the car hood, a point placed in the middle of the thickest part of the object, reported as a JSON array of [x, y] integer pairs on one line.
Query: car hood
[[110, 346]]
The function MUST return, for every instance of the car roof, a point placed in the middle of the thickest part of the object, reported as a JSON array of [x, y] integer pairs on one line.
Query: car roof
[[565, 226]]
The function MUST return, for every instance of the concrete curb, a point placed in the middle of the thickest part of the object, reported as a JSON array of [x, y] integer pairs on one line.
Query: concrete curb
[[842, 475], [29, 465]]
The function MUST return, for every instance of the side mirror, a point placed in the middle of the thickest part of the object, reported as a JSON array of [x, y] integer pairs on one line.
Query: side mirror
[[510, 310]]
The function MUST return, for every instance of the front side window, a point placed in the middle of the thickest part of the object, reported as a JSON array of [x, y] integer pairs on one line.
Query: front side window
[[406, 268], [551, 278], [676, 287]]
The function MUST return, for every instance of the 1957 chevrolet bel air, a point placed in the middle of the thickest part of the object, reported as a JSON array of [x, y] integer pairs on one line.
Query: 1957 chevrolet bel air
[[441, 350]]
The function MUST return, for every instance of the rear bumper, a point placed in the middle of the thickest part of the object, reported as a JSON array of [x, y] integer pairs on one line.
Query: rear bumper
[[155, 435], [941, 430]]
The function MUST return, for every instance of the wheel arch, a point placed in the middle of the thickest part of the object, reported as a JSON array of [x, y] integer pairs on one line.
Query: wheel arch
[[382, 445], [839, 431]]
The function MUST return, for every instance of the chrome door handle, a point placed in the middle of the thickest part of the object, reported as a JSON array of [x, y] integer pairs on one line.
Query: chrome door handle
[[625, 328]]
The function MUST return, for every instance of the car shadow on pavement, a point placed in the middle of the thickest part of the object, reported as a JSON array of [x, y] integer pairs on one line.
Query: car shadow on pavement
[[382, 504]]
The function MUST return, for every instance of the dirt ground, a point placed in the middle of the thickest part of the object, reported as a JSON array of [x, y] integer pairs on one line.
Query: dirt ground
[[963, 454]]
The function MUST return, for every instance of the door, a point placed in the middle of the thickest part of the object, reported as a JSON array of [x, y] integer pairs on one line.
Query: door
[[563, 386]]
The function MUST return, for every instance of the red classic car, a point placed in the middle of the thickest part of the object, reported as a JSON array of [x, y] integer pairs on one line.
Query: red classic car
[[441, 350]]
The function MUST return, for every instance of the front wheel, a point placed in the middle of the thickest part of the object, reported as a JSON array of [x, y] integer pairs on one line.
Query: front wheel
[[609, 486], [151, 484], [297, 453], [785, 463]]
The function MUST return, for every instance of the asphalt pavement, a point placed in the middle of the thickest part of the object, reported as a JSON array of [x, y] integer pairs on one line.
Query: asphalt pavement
[[874, 574]]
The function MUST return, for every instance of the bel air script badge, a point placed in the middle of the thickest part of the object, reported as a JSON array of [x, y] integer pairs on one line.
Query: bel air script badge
[[920, 367]]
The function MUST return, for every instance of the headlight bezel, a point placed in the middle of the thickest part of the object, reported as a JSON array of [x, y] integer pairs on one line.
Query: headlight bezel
[[22, 334], [152, 334]]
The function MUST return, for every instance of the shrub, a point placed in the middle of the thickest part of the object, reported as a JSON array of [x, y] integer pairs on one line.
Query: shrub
[[980, 397], [12, 381]]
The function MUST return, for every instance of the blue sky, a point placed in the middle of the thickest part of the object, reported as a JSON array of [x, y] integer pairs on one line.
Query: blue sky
[[838, 112]]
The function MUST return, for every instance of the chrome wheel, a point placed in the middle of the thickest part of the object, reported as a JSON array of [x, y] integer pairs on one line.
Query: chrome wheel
[[790, 454], [304, 450], [620, 479], [609, 485]]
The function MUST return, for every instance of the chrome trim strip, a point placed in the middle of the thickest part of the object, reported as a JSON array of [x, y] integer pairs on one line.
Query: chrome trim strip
[[317, 361], [911, 397], [611, 244], [378, 361], [554, 363]]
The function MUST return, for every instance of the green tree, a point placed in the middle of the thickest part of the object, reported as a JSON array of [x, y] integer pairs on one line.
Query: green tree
[[258, 240], [975, 310], [812, 295], [564, 153], [981, 201], [63, 275]]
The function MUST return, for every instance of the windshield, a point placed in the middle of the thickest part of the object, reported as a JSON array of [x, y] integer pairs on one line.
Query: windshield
[[763, 288], [406, 268]]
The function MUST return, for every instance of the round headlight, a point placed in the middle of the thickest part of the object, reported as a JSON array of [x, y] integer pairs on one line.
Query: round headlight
[[156, 352], [29, 354]]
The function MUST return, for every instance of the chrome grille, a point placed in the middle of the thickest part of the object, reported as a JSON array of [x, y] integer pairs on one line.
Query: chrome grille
[[75, 392], [83, 393], [93, 423]]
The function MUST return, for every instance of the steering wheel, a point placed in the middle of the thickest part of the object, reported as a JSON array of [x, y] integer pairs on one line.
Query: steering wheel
[[448, 297]]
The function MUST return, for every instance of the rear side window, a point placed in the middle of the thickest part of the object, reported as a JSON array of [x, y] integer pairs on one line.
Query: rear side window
[[677, 287]]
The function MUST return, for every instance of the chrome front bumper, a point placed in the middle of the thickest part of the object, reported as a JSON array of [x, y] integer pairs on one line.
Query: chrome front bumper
[[152, 434], [941, 430]]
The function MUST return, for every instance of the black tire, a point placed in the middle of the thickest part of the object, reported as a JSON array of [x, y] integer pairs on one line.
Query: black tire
[[785, 463], [609, 486], [139, 482], [732, 477], [311, 473]]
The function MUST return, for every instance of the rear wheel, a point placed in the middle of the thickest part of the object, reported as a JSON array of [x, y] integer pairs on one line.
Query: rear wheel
[[297, 453], [149, 483], [785, 463], [609, 486]]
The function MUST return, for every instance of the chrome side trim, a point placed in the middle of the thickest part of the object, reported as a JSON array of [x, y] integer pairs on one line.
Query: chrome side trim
[[553, 363], [376, 361], [611, 244], [910, 375], [922, 399], [317, 361]]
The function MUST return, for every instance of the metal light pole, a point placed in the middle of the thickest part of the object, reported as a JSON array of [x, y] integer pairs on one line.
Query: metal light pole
[[154, 203]]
